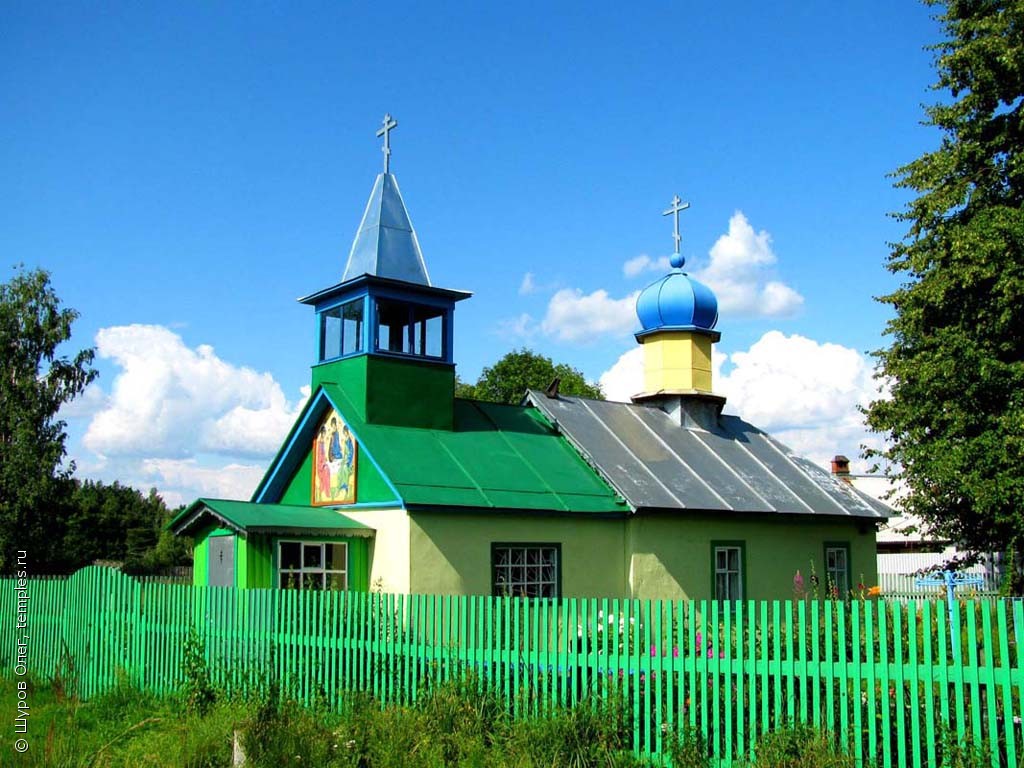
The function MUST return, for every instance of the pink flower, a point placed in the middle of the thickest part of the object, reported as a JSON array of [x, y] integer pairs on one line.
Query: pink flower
[[675, 651], [653, 651]]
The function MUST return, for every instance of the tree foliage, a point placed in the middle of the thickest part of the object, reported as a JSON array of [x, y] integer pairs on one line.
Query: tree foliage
[[119, 523], [35, 381], [955, 420], [508, 379], [61, 522]]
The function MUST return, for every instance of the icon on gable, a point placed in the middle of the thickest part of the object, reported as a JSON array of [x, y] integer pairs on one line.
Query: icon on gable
[[334, 462]]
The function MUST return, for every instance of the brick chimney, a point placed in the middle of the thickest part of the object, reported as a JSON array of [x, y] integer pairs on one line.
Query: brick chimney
[[841, 467]]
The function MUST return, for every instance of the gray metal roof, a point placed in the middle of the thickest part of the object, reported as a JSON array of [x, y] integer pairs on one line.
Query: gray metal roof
[[386, 245], [655, 463]]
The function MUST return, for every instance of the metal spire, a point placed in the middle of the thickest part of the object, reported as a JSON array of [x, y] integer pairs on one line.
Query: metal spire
[[389, 125], [677, 206]]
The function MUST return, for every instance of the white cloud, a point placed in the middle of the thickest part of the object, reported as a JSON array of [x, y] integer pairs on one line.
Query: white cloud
[[522, 327], [575, 316], [170, 401], [792, 382], [181, 481], [90, 402], [644, 263], [528, 285], [252, 431], [625, 378], [802, 392], [740, 274]]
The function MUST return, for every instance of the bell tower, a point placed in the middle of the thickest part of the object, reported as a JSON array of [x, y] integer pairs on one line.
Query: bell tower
[[384, 334]]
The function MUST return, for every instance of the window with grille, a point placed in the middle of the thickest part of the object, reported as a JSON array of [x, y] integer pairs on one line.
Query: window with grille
[[526, 570], [728, 570], [837, 569], [312, 565]]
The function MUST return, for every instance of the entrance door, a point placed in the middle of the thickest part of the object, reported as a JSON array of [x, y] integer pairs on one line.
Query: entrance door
[[221, 571]]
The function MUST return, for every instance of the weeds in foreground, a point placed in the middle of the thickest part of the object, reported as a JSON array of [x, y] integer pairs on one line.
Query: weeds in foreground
[[457, 723], [197, 692], [800, 746], [959, 753], [687, 748]]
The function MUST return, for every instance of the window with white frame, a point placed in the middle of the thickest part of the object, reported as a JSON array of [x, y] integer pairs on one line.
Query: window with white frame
[[312, 565], [728, 571], [837, 569], [525, 570]]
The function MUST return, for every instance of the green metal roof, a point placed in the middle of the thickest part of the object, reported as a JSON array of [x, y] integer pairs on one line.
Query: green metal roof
[[495, 457], [249, 517]]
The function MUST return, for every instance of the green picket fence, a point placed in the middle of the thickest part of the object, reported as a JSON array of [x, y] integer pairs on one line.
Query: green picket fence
[[888, 679]]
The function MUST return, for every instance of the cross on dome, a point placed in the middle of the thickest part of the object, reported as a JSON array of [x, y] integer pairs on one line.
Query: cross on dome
[[678, 205], [677, 302], [389, 125]]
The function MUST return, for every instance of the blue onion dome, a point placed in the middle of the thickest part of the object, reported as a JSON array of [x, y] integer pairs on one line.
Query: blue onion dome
[[677, 302]]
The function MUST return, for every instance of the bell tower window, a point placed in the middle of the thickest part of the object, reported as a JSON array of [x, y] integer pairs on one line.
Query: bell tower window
[[341, 330], [410, 329]]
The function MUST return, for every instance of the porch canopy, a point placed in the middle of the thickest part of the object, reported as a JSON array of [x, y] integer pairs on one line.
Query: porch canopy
[[245, 517]]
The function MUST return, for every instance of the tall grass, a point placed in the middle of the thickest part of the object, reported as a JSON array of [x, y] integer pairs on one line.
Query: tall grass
[[455, 723]]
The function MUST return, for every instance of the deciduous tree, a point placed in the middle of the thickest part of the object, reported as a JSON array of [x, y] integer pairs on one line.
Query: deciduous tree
[[955, 364], [508, 379], [35, 381]]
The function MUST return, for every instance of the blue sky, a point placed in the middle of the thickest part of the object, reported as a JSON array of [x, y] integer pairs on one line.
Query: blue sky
[[187, 170]]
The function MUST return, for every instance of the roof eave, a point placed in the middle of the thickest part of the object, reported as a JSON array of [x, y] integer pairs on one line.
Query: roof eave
[[374, 280]]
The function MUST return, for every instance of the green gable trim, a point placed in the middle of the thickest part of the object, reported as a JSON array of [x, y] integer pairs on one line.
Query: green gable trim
[[247, 517], [297, 448]]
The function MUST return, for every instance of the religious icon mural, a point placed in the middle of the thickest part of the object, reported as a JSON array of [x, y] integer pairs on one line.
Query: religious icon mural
[[334, 462]]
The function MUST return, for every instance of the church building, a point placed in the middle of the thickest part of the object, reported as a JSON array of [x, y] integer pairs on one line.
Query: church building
[[388, 481]]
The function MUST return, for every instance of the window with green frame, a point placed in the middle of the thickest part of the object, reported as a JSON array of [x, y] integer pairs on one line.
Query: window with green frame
[[728, 570], [837, 568], [312, 565]]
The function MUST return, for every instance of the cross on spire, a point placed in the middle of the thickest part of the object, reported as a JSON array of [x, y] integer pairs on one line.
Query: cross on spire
[[677, 206], [389, 125]]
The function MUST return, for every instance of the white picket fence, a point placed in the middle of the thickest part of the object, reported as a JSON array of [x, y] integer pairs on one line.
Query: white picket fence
[[898, 572]]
